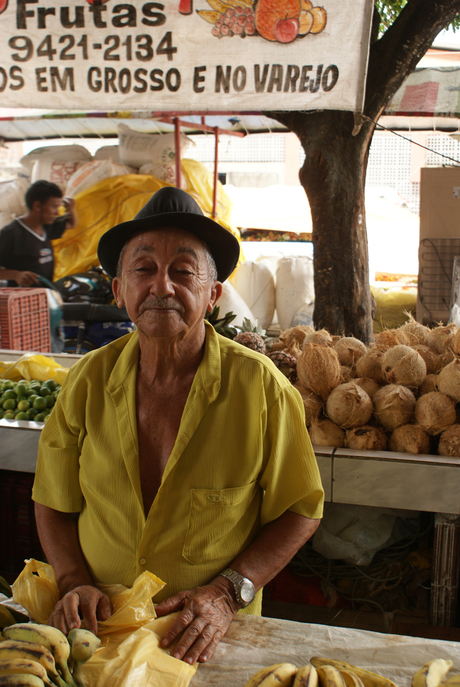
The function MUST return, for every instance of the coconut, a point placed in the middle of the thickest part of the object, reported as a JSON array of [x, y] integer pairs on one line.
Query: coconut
[[326, 433], [394, 405], [410, 439], [320, 337], [445, 358], [294, 348], [415, 332], [402, 365], [430, 383], [430, 357], [311, 402], [456, 342], [347, 374], [390, 337], [435, 412], [449, 380], [318, 369], [366, 438], [349, 406], [297, 333], [370, 386], [349, 350], [369, 365], [449, 442], [441, 338]]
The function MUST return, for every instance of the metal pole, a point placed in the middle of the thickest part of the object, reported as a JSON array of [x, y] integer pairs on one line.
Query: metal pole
[[177, 152], [216, 175]]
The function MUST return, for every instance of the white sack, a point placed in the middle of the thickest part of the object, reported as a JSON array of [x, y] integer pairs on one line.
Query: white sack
[[57, 171], [138, 149], [294, 287], [65, 152], [232, 301], [255, 283], [91, 173], [108, 153], [12, 201]]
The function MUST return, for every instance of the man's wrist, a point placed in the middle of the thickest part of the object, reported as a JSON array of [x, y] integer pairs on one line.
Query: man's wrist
[[242, 588]]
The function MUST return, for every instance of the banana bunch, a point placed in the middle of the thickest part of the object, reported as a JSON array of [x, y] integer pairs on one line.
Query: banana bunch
[[35, 655]]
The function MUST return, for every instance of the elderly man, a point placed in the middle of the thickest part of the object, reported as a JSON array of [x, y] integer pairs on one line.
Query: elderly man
[[173, 449]]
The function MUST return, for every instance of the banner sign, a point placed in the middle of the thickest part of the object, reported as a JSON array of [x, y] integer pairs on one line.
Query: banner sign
[[184, 55]]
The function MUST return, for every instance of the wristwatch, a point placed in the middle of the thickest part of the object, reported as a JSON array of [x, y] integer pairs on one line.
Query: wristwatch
[[243, 588]]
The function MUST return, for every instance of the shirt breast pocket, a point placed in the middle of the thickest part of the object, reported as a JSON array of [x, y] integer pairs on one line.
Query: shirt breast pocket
[[221, 522]]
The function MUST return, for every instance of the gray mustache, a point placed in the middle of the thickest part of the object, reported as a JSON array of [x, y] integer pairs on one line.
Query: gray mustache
[[165, 303]]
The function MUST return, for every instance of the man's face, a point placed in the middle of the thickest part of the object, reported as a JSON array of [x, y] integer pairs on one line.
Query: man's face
[[49, 210], [165, 283]]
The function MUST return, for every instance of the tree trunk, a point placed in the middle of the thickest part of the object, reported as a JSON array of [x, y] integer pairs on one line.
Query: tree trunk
[[333, 177]]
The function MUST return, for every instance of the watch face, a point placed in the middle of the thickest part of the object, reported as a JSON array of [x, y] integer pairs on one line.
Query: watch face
[[247, 592]]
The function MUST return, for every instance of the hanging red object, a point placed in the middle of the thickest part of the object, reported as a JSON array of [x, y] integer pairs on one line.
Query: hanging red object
[[186, 6]]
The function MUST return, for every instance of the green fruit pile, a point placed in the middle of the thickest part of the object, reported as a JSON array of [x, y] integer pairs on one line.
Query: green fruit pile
[[25, 400]]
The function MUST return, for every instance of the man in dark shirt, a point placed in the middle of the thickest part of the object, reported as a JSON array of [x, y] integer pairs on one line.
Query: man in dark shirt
[[25, 243]]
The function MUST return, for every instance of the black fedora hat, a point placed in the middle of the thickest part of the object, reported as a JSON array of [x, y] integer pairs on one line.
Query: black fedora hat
[[172, 207]]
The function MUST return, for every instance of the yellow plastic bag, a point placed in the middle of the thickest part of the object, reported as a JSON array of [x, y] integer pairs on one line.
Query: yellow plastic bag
[[393, 304], [36, 590], [130, 652], [34, 366]]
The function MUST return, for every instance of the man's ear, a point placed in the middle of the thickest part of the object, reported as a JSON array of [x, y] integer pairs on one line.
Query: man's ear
[[117, 292], [216, 293]]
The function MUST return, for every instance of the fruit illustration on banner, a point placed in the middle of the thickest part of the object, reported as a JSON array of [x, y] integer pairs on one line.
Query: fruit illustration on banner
[[97, 2], [3, 5], [281, 21]]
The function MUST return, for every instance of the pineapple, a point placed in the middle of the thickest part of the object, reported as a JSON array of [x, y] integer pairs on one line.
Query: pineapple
[[251, 336], [286, 363], [222, 325]]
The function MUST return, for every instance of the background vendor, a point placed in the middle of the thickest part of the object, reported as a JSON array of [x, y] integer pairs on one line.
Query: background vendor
[[173, 449], [25, 243]]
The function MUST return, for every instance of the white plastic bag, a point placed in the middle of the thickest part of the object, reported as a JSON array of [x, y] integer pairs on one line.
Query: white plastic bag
[[255, 283], [232, 301], [294, 287]]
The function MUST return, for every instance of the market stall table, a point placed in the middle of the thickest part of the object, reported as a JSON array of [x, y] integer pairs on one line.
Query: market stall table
[[254, 642]]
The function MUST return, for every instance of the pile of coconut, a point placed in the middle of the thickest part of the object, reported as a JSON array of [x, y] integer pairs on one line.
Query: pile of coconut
[[402, 393]]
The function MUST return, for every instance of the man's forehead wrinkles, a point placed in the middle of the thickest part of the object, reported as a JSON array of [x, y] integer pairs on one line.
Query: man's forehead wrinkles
[[147, 248]]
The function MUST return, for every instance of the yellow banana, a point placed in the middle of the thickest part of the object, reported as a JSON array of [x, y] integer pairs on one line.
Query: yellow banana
[[14, 648], [368, 678], [306, 676], [431, 673], [21, 680], [330, 676], [23, 665], [83, 644], [452, 681], [218, 5], [50, 637], [278, 675], [351, 679]]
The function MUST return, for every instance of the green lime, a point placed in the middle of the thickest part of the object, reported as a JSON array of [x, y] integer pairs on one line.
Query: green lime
[[9, 393], [9, 404], [31, 413], [49, 400], [22, 388], [40, 417], [39, 403], [21, 397], [23, 405], [32, 398], [9, 384], [51, 384], [9, 415], [46, 418], [21, 416], [1, 414], [43, 391], [35, 386]]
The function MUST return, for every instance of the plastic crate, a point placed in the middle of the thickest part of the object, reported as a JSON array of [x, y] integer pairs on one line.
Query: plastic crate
[[24, 320]]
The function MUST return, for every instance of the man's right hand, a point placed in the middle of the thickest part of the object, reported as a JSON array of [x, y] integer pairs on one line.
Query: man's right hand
[[25, 278], [81, 607]]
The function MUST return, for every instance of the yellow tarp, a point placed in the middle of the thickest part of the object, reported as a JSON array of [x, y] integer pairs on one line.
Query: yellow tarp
[[393, 304], [119, 199]]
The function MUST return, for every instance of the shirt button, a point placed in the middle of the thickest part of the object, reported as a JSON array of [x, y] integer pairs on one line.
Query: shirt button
[[142, 561]]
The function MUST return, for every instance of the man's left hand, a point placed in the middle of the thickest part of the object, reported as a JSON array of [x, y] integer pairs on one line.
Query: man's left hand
[[205, 618]]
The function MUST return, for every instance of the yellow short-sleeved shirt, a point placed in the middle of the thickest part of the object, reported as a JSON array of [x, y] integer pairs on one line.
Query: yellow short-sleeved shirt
[[242, 457]]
